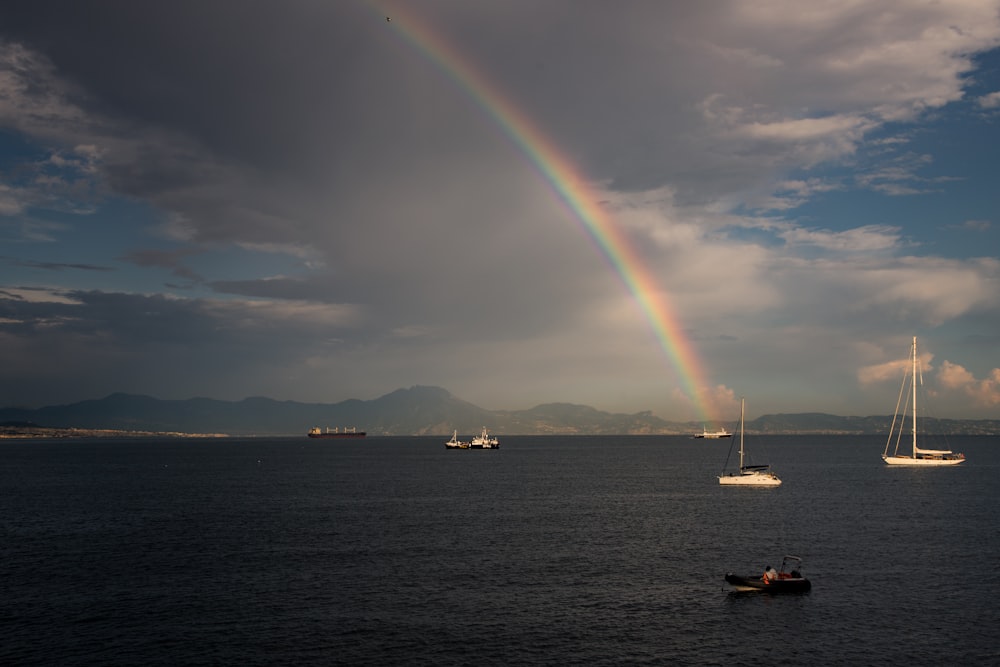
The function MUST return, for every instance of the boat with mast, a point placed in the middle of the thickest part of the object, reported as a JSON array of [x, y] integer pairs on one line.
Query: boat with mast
[[917, 456], [455, 443], [484, 441], [747, 475]]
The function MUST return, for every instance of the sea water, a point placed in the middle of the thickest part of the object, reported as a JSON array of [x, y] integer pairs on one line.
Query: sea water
[[548, 551]]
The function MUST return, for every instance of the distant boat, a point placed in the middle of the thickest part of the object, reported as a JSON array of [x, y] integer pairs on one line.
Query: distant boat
[[917, 456], [788, 579], [315, 432], [484, 441], [715, 435], [747, 475], [455, 443]]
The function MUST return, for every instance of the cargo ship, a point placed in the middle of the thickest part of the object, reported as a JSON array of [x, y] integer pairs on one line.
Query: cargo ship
[[315, 432]]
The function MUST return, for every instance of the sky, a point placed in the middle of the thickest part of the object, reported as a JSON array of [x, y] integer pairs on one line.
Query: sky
[[638, 206]]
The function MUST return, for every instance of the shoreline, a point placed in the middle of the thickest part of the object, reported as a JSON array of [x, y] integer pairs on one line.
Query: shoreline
[[44, 432]]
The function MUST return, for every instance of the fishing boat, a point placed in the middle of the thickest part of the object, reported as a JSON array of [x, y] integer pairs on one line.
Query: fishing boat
[[713, 435], [917, 456], [484, 441], [787, 579], [747, 475], [455, 443], [315, 432]]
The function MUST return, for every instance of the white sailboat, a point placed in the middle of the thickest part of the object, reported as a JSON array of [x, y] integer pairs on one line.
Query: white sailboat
[[917, 456], [748, 475]]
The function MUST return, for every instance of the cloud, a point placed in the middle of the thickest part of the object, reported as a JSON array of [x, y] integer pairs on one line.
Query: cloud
[[976, 225], [985, 392], [899, 176], [55, 266], [32, 97], [37, 295], [861, 239], [926, 290], [168, 259], [807, 129], [990, 101], [891, 370], [11, 200], [788, 195], [135, 336], [950, 377], [718, 400], [212, 177]]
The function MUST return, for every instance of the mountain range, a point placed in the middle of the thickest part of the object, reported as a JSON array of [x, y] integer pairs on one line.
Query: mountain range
[[420, 410]]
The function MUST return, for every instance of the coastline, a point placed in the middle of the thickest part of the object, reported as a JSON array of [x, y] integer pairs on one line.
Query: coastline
[[43, 432]]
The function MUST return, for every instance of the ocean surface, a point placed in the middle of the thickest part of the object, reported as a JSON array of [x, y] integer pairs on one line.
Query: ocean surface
[[548, 551]]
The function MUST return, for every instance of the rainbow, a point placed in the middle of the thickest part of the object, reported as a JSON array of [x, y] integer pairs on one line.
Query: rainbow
[[573, 189]]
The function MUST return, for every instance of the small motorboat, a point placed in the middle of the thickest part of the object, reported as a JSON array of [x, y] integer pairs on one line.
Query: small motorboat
[[787, 579]]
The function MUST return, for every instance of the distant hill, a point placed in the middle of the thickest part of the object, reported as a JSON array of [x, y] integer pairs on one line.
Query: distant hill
[[419, 410]]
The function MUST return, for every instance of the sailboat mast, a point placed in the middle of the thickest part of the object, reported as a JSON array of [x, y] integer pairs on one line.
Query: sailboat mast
[[742, 404], [913, 379]]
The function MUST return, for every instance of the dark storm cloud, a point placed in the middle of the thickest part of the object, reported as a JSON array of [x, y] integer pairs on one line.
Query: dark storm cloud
[[173, 260], [120, 319], [220, 70], [289, 87], [315, 290], [127, 338]]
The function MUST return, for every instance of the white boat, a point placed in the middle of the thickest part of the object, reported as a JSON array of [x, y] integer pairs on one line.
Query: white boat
[[714, 435], [455, 443], [917, 456], [484, 441], [747, 475]]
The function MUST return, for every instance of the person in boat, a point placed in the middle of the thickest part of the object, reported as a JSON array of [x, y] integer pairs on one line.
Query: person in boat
[[770, 574]]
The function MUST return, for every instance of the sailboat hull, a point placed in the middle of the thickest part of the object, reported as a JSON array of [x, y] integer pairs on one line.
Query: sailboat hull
[[910, 461], [750, 479]]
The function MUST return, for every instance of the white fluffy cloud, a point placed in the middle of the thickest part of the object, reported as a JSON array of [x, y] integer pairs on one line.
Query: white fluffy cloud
[[985, 392]]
